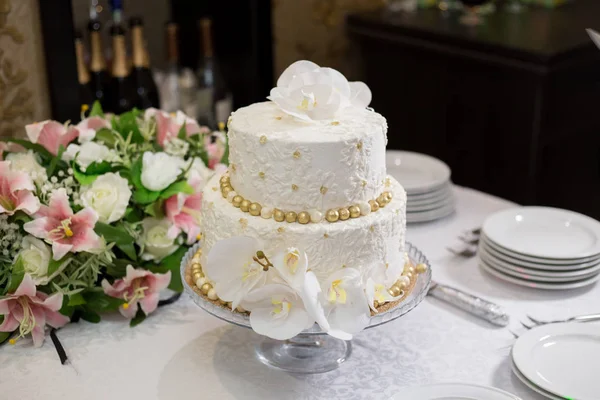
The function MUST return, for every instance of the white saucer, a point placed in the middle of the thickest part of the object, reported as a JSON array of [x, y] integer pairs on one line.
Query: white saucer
[[427, 216], [563, 359], [546, 262], [416, 172], [544, 232], [534, 284], [530, 385], [525, 275], [454, 391], [489, 256], [437, 194], [411, 207]]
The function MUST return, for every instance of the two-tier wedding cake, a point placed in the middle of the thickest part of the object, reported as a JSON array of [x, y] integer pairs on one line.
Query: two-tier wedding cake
[[305, 226]]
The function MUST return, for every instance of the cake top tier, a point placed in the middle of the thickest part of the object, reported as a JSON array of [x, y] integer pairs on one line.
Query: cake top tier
[[283, 162]]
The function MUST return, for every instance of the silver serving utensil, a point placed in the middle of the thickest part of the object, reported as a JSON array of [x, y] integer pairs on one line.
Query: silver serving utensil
[[472, 304], [579, 318]]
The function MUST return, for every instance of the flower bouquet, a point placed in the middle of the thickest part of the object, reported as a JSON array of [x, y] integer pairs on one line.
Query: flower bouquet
[[95, 217]]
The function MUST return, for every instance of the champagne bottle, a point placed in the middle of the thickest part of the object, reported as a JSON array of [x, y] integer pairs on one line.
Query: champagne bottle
[[100, 80], [214, 100], [170, 95], [145, 87], [83, 75], [122, 89]]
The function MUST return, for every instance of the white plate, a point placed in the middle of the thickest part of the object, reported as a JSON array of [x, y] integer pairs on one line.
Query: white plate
[[411, 207], [530, 385], [526, 275], [543, 262], [427, 216], [563, 359], [416, 172], [489, 255], [439, 193], [537, 285], [544, 232], [454, 391]]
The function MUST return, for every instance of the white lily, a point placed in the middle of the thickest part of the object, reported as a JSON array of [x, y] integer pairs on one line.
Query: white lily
[[236, 266], [346, 305], [277, 311]]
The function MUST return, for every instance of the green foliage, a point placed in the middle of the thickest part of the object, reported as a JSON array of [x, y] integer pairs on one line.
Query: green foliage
[[107, 137], [40, 150], [76, 299], [92, 172], [175, 188], [96, 110], [98, 301], [127, 123], [56, 160], [113, 234], [118, 268], [172, 263], [138, 319], [17, 275]]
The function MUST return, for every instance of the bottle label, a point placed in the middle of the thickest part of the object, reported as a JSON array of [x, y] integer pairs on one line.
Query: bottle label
[[223, 109]]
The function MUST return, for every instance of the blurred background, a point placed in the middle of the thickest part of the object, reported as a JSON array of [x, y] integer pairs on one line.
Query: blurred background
[[506, 92]]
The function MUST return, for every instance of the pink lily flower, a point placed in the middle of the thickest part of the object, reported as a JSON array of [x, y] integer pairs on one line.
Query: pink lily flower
[[139, 286], [168, 125], [31, 311], [66, 231], [16, 191], [51, 134], [87, 128], [183, 210]]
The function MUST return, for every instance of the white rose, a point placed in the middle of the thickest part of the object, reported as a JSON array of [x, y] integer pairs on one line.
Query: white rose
[[159, 170], [88, 153], [35, 255], [155, 239], [109, 196], [201, 169], [26, 162]]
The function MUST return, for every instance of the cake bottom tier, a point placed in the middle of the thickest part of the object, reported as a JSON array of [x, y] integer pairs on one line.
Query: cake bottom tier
[[362, 243]]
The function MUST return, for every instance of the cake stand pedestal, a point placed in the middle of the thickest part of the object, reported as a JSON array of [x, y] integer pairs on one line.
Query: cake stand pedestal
[[312, 351]]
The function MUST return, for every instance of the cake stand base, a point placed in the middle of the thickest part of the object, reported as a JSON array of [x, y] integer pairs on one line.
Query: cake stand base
[[304, 354]]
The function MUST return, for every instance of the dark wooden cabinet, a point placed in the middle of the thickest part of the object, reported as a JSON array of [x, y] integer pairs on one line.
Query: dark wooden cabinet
[[513, 106]]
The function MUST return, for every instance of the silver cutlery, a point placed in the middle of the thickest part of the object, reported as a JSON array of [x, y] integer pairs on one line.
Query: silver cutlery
[[579, 318], [472, 304]]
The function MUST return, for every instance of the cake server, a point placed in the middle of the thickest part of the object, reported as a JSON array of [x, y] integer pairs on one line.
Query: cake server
[[483, 309]]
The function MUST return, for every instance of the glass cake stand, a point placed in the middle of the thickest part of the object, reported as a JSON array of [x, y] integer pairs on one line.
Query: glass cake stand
[[312, 351]]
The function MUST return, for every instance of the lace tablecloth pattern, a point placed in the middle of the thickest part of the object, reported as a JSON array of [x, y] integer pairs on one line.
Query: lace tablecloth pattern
[[182, 353]]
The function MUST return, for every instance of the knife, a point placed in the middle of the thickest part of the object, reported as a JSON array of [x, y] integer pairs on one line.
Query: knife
[[483, 309]]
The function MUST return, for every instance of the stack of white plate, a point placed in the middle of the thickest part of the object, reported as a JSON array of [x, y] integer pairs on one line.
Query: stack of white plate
[[560, 361], [427, 184], [541, 247]]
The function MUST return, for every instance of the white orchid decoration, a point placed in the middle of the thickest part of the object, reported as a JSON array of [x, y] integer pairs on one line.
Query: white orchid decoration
[[283, 296], [312, 93]]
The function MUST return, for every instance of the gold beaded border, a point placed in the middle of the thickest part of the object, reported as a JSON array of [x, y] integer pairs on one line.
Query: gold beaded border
[[303, 217], [194, 277]]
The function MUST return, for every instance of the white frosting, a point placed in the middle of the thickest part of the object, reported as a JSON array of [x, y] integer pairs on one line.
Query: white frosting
[[287, 168], [374, 239]]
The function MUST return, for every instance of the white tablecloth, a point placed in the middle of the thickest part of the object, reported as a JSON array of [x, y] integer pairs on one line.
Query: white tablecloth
[[183, 353]]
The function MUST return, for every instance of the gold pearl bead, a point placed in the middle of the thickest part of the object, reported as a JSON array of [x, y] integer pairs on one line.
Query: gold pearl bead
[[421, 268], [332, 215], [374, 205], [412, 270], [237, 201], [255, 209], [205, 288], [278, 215], [394, 291], [304, 217], [197, 275], [225, 179], [354, 211], [245, 205], [196, 266], [344, 214], [382, 200], [401, 284], [212, 295], [409, 275], [225, 191], [290, 216], [388, 196]]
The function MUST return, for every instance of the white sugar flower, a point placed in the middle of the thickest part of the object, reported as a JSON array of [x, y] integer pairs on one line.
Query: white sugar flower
[[88, 153], [155, 240], [277, 311], [346, 305], [310, 92], [108, 195], [236, 266], [35, 256], [27, 162], [291, 265], [159, 170]]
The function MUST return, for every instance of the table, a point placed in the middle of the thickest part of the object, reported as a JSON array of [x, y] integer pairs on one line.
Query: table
[[183, 353], [502, 103]]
